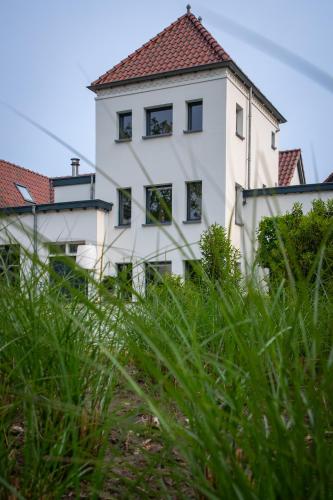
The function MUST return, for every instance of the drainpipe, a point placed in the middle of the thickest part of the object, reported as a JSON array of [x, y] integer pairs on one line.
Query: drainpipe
[[34, 229], [249, 141]]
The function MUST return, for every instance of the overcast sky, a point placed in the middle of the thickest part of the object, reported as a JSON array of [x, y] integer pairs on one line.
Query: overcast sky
[[50, 50]]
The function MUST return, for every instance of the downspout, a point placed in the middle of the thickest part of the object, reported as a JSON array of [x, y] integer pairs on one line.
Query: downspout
[[249, 141], [34, 229]]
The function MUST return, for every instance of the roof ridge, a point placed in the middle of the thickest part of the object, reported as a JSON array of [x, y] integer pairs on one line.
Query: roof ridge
[[290, 150], [214, 44], [24, 168]]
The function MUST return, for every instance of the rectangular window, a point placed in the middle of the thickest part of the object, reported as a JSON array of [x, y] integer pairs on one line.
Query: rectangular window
[[273, 140], [125, 125], [194, 116], [159, 121], [124, 282], [125, 206], [158, 204], [238, 205], [64, 272], [239, 121], [25, 193], [194, 200], [193, 270], [155, 272], [10, 264]]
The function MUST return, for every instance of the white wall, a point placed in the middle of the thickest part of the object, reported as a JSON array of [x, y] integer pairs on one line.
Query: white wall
[[72, 193], [176, 159]]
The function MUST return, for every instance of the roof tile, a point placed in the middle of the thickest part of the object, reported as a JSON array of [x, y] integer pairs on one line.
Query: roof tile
[[287, 164], [183, 44]]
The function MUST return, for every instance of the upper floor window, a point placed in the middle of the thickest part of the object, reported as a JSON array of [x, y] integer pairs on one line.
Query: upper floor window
[[194, 200], [159, 204], [194, 116], [125, 125], [159, 121], [24, 191], [239, 121], [125, 206], [273, 140]]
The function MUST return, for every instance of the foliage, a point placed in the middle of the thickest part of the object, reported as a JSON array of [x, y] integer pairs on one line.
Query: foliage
[[298, 245], [220, 260]]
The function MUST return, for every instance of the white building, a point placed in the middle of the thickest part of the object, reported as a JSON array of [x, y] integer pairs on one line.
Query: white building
[[183, 139]]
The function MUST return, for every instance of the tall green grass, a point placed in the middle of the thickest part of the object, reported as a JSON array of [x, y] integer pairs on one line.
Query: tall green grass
[[241, 382]]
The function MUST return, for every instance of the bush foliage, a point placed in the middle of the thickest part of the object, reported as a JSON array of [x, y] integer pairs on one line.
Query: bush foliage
[[298, 245]]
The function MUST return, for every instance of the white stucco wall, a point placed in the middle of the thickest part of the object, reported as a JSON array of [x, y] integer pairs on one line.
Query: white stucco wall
[[72, 193]]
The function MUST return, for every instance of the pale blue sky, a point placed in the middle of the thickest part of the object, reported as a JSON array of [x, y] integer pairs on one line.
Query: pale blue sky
[[50, 50]]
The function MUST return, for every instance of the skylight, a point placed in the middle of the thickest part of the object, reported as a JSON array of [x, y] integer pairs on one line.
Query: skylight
[[25, 193]]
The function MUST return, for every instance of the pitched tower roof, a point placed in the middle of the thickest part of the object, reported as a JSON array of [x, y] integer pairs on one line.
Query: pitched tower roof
[[183, 44], [182, 47], [288, 162]]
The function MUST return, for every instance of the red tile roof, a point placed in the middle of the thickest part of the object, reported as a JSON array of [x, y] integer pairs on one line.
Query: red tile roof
[[38, 185], [288, 161], [329, 178], [183, 44]]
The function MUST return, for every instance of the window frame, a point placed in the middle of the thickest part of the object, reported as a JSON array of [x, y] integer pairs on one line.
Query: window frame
[[188, 218], [151, 266], [190, 273], [121, 115], [238, 204], [190, 105], [10, 271], [239, 124], [122, 196], [21, 186], [126, 295], [273, 140], [149, 221], [65, 252], [155, 109]]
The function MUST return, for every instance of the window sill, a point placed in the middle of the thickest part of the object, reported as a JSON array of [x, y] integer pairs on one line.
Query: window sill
[[122, 226], [157, 224], [145, 137], [192, 131], [122, 140], [192, 221], [240, 136]]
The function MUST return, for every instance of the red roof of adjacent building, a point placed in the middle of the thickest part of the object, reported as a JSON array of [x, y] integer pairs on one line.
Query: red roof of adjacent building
[[11, 175], [183, 44], [288, 161], [329, 178]]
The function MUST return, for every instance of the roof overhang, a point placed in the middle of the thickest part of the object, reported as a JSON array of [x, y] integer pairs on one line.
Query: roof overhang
[[58, 207], [301, 188], [73, 181], [203, 67]]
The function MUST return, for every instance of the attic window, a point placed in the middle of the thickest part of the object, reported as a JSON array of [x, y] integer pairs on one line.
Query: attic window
[[25, 193]]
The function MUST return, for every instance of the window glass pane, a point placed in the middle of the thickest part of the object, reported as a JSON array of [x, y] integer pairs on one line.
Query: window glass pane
[[159, 121], [65, 274], [273, 140], [193, 270], [239, 120], [125, 280], [194, 200], [195, 116], [57, 248], [25, 193], [159, 204], [155, 271], [125, 207], [125, 125], [10, 264]]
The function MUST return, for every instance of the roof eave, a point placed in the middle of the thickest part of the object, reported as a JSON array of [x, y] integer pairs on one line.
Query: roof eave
[[222, 64]]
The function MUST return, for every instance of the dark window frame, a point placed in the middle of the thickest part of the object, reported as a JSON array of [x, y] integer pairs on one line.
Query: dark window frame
[[121, 197], [10, 263], [148, 119], [122, 135], [273, 140], [150, 268], [190, 105], [126, 293], [188, 218], [149, 220], [192, 270]]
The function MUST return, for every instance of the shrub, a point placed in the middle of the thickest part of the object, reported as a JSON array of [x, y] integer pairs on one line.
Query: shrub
[[298, 245], [220, 260]]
